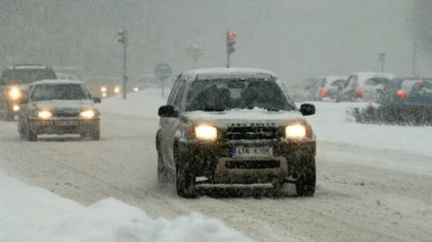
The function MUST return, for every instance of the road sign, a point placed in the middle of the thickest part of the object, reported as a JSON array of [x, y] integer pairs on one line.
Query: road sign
[[163, 71]]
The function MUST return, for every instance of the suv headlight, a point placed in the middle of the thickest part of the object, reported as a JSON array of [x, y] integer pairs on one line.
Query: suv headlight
[[205, 132], [88, 114], [15, 93], [295, 131]]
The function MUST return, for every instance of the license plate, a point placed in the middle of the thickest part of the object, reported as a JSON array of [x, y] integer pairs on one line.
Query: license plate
[[66, 123], [252, 151]]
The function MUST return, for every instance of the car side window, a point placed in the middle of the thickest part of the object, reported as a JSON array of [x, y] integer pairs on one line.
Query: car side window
[[180, 95]]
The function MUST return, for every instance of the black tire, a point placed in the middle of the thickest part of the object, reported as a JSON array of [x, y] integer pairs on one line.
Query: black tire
[[95, 135], [92, 135], [185, 177], [305, 185], [30, 135]]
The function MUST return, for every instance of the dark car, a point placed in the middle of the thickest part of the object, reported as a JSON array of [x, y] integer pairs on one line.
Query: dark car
[[14, 82], [407, 91], [234, 126], [59, 107]]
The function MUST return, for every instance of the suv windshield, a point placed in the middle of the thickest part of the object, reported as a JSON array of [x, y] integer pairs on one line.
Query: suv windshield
[[59, 92], [220, 95], [26, 76]]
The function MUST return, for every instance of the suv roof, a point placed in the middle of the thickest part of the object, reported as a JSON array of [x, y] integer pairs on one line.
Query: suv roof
[[223, 73], [58, 81]]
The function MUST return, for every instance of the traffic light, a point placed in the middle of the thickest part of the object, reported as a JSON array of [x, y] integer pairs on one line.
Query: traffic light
[[123, 36], [230, 42]]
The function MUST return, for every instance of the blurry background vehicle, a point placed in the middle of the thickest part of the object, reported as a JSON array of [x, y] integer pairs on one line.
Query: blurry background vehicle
[[407, 91], [66, 76], [104, 86], [59, 107], [363, 86], [14, 82], [304, 90], [143, 81], [328, 87]]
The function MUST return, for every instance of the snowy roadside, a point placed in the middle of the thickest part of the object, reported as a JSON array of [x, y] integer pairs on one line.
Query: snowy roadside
[[331, 124], [38, 215]]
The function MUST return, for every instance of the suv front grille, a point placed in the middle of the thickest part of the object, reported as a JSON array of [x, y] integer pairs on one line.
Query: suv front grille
[[251, 133]]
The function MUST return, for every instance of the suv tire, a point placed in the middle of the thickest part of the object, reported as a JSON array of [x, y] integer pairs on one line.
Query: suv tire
[[185, 177], [305, 185]]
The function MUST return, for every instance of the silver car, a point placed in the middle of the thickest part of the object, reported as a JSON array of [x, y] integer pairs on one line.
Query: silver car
[[59, 107]]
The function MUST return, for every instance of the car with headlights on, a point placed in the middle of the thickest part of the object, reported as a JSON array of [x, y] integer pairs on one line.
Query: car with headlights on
[[234, 126], [59, 107], [14, 82]]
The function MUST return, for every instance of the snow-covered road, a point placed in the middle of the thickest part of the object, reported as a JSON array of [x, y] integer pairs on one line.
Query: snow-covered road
[[364, 193]]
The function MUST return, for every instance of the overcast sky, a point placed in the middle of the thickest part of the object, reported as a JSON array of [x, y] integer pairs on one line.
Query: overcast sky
[[296, 39]]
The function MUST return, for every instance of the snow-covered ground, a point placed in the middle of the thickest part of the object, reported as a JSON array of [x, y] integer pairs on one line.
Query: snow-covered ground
[[373, 184], [38, 215]]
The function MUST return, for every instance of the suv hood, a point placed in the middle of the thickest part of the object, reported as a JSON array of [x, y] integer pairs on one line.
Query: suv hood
[[244, 117], [64, 104]]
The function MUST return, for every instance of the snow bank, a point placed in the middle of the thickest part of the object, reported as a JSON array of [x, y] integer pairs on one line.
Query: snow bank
[[331, 124], [37, 215]]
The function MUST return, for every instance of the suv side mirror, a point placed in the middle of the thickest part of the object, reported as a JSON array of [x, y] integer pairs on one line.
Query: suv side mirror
[[307, 109], [97, 100], [168, 111]]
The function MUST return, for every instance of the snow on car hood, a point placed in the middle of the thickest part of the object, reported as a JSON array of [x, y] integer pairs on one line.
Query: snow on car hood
[[64, 104], [244, 116]]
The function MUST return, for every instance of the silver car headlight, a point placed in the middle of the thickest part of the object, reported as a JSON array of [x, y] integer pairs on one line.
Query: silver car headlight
[[88, 114], [44, 114]]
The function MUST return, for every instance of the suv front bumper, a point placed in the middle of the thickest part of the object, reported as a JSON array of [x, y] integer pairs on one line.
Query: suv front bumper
[[216, 162]]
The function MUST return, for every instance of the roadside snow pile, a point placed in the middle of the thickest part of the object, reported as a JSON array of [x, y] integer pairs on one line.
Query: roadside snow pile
[[37, 215], [144, 103], [331, 124]]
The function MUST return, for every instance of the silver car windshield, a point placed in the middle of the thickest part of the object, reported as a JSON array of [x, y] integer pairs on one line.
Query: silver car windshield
[[47, 92]]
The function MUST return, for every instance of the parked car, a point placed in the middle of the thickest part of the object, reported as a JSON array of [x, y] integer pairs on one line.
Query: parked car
[[14, 82], [328, 87], [234, 125], [304, 90], [407, 91], [59, 107], [362, 86]]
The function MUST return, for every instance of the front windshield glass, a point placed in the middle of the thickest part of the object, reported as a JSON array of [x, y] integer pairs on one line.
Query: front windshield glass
[[220, 95], [47, 92]]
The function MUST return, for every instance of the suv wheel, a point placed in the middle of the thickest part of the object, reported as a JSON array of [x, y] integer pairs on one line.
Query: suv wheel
[[185, 178], [305, 185]]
